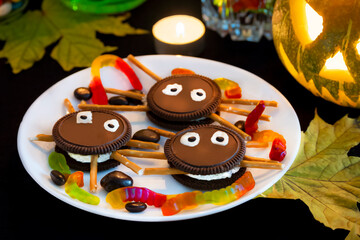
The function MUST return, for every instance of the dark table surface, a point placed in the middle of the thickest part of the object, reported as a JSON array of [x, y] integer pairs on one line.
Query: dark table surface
[[28, 210]]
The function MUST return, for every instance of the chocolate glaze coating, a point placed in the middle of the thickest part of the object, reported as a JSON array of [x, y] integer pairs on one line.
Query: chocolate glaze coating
[[91, 138], [182, 107], [206, 157]]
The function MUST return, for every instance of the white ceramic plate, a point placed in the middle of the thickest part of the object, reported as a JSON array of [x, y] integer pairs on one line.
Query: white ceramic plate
[[48, 108]]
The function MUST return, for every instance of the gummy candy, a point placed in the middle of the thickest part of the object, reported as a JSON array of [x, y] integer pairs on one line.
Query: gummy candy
[[231, 89], [116, 62], [251, 123], [222, 196], [267, 136], [278, 150], [57, 162], [177, 71], [73, 188], [233, 92], [225, 83], [98, 92], [118, 197]]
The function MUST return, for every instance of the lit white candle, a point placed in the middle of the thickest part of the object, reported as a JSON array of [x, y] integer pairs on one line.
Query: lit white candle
[[179, 34]]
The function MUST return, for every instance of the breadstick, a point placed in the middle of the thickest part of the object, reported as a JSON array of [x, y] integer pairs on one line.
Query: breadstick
[[43, 138], [127, 163], [256, 144], [93, 173], [129, 94], [133, 60], [250, 158], [239, 111], [141, 154], [69, 106], [248, 102], [162, 132], [228, 124], [143, 144], [140, 108]]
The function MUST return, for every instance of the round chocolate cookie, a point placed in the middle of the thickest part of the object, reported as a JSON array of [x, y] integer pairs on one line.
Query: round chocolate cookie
[[211, 154], [184, 97], [91, 133]]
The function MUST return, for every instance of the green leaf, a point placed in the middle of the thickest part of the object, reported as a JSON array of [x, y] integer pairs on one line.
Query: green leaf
[[27, 37], [323, 176], [57, 162]]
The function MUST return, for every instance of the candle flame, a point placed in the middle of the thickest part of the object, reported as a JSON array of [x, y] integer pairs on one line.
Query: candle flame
[[180, 30]]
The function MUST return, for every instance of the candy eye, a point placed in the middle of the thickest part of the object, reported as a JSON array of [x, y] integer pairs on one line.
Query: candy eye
[[220, 138], [190, 139], [172, 89], [84, 117], [111, 125], [198, 95]]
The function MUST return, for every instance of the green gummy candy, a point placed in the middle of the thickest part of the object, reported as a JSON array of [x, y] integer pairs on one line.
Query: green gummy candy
[[57, 162]]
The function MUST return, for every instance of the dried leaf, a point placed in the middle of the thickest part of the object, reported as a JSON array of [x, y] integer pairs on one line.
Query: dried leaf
[[27, 37], [323, 176]]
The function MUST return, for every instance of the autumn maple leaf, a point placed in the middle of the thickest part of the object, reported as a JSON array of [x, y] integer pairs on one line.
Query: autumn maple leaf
[[323, 176], [27, 37]]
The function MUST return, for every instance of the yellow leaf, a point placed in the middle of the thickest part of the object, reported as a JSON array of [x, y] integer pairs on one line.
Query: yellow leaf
[[323, 176]]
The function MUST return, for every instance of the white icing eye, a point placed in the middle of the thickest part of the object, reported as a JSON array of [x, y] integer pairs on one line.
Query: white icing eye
[[111, 125], [190, 139], [220, 138], [172, 89], [198, 95], [84, 117]]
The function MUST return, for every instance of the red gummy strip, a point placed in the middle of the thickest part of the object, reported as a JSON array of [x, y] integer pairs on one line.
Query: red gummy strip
[[129, 72]]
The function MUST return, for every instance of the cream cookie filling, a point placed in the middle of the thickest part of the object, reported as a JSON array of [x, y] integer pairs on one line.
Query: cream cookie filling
[[217, 176], [87, 158]]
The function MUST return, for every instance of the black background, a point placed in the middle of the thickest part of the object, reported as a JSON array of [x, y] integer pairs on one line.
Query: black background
[[29, 211]]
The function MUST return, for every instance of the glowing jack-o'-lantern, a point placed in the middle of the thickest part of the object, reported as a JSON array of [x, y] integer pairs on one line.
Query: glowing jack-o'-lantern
[[318, 41]]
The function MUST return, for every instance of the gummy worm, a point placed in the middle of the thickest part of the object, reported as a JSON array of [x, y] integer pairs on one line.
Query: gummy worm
[[189, 200], [172, 204], [116, 62], [73, 188], [118, 197]]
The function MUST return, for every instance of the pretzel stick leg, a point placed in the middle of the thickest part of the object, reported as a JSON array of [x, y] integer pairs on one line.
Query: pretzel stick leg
[[262, 165], [256, 144], [162, 132], [242, 112], [129, 94], [93, 173], [141, 154], [143, 144], [43, 138], [248, 102], [69, 106], [162, 171], [139, 108], [228, 124], [133, 60], [127, 163]]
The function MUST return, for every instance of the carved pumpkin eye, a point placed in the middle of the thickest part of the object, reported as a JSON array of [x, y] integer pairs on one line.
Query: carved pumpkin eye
[[190, 139], [198, 95], [220, 138], [84, 117], [111, 125], [172, 89]]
